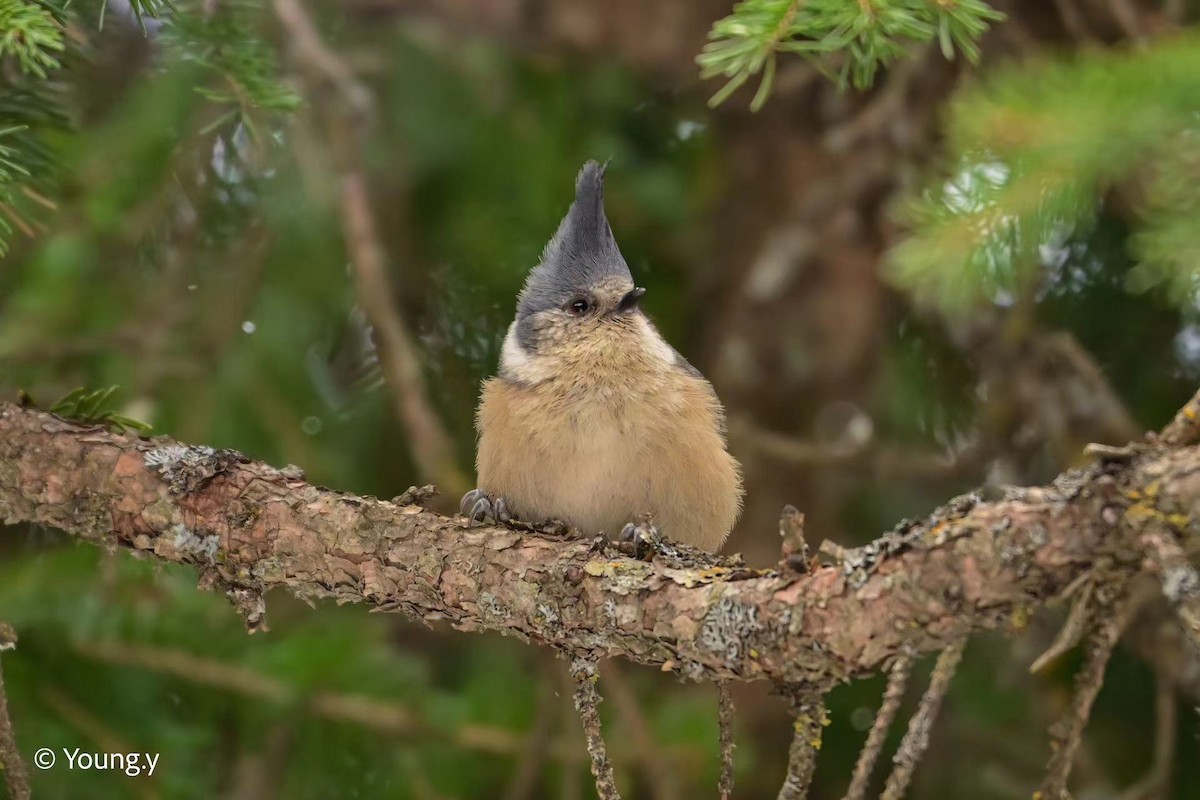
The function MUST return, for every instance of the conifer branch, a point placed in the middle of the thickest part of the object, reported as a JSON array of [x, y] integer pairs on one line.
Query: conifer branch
[[248, 528], [850, 42]]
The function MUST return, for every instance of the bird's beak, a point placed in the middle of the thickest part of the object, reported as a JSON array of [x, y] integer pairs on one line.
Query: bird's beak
[[630, 301]]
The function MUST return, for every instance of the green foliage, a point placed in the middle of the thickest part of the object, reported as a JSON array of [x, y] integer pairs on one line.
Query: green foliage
[[32, 35], [141, 9], [11, 172], [240, 65], [232, 67], [86, 406], [1032, 154], [847, 40]]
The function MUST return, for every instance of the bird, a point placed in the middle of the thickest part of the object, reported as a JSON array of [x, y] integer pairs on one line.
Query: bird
[[594, 419]]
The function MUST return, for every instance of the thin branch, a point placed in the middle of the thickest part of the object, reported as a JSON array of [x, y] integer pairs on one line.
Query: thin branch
[[373, 713], [794, 547], [1180, 580], [1067, 734], [884, 461], [916, 738], [808, 726], [16, 773], [1072, 630], [869, 756], [725, 725], [345, 116], [587, 703]]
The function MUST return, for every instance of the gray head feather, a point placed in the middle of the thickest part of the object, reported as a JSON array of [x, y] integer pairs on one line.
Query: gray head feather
[[582, 253]]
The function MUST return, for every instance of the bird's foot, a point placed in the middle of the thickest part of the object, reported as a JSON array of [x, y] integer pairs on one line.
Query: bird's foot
[[640, 540], [481, 508]]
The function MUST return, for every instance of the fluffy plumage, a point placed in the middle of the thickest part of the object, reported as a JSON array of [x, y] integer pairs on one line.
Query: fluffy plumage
[[594, 418]]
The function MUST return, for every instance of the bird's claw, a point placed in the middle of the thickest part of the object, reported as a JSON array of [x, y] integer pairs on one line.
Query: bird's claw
[[640, 540], [481, 508]]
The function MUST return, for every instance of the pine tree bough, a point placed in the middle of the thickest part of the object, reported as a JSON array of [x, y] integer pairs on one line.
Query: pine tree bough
[[248, 528]]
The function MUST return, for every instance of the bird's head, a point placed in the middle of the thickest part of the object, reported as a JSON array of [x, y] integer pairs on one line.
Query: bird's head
[[581, 293]]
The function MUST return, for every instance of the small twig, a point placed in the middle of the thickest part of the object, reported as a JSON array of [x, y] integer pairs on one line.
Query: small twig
[[793, 545], [1067, 733], [808, 728], [869, 756], [725, 725], [373, 713], [1157, 782], [1184, 429], [1071, 632], [16, 773], [1180, 580], [916, 738], [884, 461], [587, 702]]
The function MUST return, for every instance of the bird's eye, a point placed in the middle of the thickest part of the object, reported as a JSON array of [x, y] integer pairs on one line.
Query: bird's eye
[[579, 306]]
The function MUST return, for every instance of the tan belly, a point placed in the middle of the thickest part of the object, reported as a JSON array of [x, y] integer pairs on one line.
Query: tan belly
[[597, 466]]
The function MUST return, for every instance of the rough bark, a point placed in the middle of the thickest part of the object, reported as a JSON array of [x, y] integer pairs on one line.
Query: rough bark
[[249, 527]]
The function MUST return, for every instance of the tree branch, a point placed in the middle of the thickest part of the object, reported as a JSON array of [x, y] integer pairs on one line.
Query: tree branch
[[248, 528]]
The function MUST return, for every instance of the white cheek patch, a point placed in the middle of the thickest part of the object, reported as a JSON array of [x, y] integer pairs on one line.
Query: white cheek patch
[[655, 345], [516, 363]]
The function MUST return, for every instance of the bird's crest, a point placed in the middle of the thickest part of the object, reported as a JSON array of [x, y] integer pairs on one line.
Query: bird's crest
[[582, 253]]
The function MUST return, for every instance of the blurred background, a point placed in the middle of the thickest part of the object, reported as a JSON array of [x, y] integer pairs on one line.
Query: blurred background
[[907, 275]]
